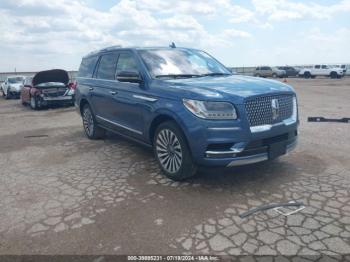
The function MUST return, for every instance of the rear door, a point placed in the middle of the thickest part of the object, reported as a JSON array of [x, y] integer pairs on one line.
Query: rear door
[[104, 88]]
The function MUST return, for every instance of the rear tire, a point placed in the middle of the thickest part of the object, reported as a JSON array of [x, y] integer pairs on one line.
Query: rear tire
[[91, 128], [334, 75], [307, 75], [172, 152]]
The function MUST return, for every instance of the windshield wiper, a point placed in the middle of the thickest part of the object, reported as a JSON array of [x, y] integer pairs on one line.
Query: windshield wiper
[[216, 74], [177, 76]]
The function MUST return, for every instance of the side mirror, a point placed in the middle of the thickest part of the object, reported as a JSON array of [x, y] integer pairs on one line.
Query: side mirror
[[129, 76]]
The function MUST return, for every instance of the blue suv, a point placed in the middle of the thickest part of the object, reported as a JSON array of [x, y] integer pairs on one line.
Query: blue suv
[[186, 105]]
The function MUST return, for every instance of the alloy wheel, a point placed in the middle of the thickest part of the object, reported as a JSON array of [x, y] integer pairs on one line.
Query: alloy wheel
[[169, 151]]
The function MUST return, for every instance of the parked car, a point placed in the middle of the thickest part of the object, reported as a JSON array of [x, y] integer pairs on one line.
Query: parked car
[[187, 106], [267, 71], [342, 66], [321, 70], [290, 70], [47, 87], [12, 86]]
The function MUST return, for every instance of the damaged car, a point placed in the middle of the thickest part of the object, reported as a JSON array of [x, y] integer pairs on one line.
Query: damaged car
[[47, 88]]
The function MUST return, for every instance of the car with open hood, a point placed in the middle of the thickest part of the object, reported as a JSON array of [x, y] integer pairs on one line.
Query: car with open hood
[[12, 86], [47, 87], [187, 106]]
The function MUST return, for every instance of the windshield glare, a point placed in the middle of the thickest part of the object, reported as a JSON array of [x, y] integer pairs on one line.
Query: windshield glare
[[168, 62], [14, 80]]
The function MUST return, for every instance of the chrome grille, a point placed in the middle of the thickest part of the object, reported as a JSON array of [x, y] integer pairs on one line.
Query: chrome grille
[[259, 109], [55, 92]]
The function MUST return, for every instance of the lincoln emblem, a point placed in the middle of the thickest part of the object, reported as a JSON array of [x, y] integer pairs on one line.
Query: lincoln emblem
[[275, 108]]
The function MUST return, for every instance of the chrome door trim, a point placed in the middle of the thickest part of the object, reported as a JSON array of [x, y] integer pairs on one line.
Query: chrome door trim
[[120, 125], [146, 98]]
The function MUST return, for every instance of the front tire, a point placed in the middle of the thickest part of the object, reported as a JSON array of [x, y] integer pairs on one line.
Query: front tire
[[34, 103], [91, 128], [172, 152], [8, 95]]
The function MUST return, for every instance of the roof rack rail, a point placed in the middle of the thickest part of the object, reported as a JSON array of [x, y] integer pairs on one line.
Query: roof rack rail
[[111, 48]]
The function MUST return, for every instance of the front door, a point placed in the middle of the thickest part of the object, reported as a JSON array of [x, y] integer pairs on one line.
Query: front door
[[127, 110]]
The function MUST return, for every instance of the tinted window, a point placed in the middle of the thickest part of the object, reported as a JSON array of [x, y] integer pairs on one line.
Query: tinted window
[[258, 68], [87, 66], [106, 68], [265, 68], [126, 62], [317, 66]]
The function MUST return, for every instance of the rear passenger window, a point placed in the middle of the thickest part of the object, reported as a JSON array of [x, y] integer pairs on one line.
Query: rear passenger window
[[106, 68], [87, 66], [126, 62]]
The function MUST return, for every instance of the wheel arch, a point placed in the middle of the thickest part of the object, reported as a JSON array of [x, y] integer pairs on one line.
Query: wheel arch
[[162, 117]]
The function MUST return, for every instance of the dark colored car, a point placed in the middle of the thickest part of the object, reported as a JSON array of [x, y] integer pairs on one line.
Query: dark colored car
[[187, 106], [290, 71], [46, 88]]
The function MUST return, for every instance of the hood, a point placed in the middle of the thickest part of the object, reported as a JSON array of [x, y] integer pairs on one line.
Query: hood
[[54, 75], [237, 86], [16, 86]]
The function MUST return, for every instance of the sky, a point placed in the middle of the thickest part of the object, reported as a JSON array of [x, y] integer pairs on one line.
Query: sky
[[45, 34]]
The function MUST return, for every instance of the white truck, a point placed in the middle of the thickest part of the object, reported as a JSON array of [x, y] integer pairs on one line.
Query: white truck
[[321, 70]]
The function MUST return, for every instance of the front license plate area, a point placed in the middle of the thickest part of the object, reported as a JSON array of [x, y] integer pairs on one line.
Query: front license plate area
[[277, 149]]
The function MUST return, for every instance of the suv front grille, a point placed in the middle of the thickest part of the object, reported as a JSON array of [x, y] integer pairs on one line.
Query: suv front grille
[[55, 92], [259, 109]]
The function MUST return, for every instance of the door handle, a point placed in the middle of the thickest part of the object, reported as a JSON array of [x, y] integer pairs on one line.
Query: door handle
[[112, 92], [91, 88]]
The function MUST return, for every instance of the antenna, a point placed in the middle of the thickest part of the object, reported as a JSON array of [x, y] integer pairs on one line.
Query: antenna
[[172, 45]]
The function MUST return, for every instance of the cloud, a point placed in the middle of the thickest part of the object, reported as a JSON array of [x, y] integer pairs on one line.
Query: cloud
[[60, 32], [281, 10], [69, 28]]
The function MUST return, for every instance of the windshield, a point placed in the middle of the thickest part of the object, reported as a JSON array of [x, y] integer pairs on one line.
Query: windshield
[[181, 62], [14, 80]]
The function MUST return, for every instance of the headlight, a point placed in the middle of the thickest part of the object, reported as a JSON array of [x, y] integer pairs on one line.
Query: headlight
[[295, 109], [211, 110]]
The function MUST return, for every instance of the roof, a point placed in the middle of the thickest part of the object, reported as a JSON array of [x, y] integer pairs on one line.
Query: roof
[[117, 47]]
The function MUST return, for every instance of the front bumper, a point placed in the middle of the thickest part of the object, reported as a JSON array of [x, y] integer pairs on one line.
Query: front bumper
[[240, 161], [14, 93], [233, 143], [58, 99]]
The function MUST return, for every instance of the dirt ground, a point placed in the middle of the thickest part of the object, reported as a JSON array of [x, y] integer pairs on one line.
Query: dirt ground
[[61, 193]]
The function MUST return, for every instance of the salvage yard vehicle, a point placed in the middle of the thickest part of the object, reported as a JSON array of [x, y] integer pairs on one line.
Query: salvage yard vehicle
[[290, 70], [12, 87], [267, 71], [46, 88], [187, 106], [321, 70]]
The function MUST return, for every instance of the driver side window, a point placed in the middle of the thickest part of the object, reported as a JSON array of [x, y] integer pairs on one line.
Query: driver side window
[[126, 62]]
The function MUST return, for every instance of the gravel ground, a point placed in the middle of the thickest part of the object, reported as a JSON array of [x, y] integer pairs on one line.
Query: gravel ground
[[61, 193]]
